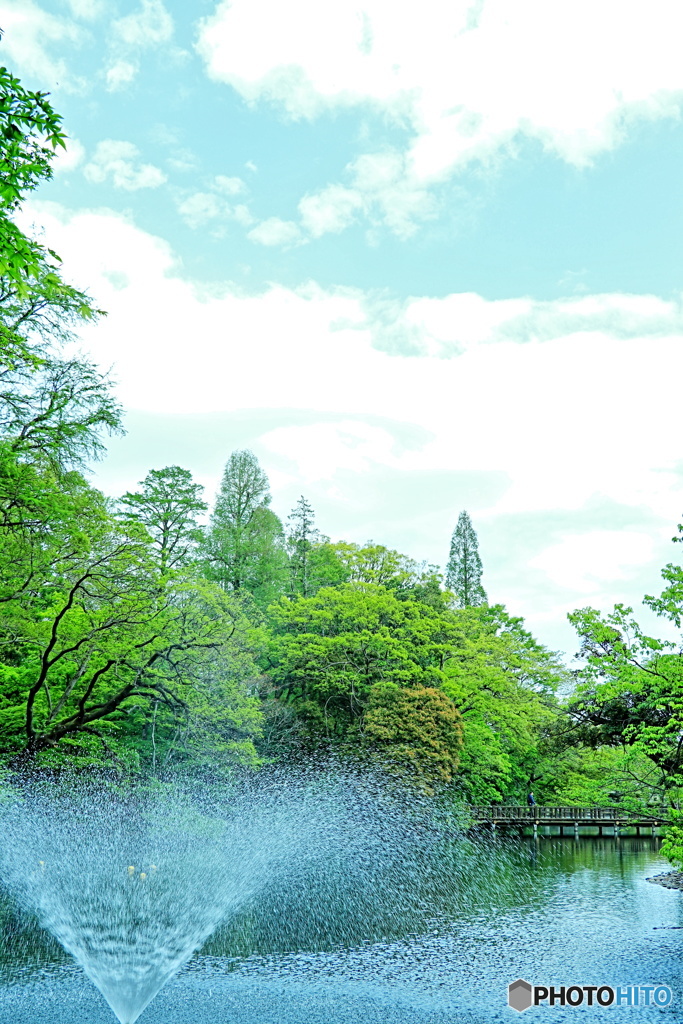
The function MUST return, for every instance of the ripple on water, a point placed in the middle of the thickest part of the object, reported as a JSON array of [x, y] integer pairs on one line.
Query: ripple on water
[[561, 912]]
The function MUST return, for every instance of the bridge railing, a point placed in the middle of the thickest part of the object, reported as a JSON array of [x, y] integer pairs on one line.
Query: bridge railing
[[504, 812]]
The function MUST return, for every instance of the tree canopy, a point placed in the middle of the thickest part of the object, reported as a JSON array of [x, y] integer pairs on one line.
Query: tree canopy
[[169, 505], [30, 133], [464, 569], [245, 542], [628, 703]]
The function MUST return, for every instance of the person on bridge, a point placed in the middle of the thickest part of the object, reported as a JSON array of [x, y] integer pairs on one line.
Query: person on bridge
[[530, 800]]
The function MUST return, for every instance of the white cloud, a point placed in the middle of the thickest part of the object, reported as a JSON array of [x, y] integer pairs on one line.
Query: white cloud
[[584, 562], [183, 160], [242, 214], [30, 35], [586, 410], [216, 204], [87, 9], [448, 326], [120, 74], [68, 159], [117, 161], [275, 231], [380, 188], [576, 413], [151, 25], [466, 83], [229, 186], [147, 28], [199, 208], [322, 450], [330, 210]]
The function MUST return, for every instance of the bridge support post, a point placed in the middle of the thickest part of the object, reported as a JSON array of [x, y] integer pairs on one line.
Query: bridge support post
[[535, 830], [576, 830]]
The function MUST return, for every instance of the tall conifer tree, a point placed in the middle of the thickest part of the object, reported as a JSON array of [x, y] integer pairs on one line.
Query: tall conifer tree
[[300, 540], [464, 569], [245, 539]]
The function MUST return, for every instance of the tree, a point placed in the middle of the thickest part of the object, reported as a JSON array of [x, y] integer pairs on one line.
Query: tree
[[50, 406], [580, 775], [52, 409], [30, 132], [53, 412], [168, 507], [244, 546], [300, 540], [415, 731], [361, 669], [374, 563], [93, 633], [503, 682], [244, 490], [344, 562], [629, 692], [364, 670], [96, 629], [464, 569], [216, 717]]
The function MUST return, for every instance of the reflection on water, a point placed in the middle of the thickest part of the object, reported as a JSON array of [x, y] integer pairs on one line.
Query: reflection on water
[[441, 945]]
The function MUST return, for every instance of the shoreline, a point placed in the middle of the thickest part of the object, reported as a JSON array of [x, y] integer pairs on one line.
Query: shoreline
[[669, 879]]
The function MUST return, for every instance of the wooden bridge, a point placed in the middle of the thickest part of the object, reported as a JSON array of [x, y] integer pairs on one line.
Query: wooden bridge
[[615, 818]]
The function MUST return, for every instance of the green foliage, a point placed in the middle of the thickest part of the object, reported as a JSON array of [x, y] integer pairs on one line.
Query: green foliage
[[464, 569], [629, 698], [328, 653], [168, 506], [90, 626], [110, 645], [503, 682], [359, 668], [416, 731], [218, 716], [300, 544], [672, 843], [585, 776], [374, 564], [244, 549], [46, 311], [53, 410], [97, 633], [30, 132], [630, 690], [344, 562], [244, 490]]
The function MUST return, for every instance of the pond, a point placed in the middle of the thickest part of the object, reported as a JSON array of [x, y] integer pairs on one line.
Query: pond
[[554, 910]]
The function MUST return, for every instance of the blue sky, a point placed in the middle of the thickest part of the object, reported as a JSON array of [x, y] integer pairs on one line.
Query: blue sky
[[417, 265]]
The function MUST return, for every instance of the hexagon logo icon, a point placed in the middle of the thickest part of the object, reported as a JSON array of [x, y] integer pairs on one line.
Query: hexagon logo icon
[[520, 995]]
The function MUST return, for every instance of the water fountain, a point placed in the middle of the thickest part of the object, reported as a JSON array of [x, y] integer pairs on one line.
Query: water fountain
[[314, 896], [132, 883]]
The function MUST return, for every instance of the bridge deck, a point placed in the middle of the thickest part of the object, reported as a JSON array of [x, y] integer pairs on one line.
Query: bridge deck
[[538, 815]]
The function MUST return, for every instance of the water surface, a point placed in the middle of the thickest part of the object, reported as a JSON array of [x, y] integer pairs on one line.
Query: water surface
[[439, 945]]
